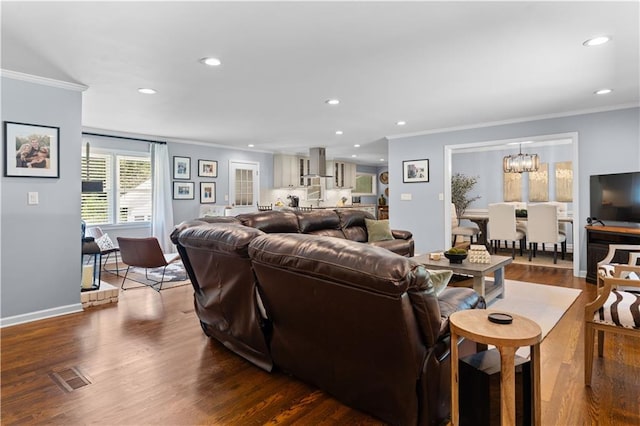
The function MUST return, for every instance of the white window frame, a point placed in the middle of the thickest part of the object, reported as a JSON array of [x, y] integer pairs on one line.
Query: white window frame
[[113, 198]]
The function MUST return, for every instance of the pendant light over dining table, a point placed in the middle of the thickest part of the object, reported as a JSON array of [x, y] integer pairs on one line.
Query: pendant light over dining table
[[521, 163]]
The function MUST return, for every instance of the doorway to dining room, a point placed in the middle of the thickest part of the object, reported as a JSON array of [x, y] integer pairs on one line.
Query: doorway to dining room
[[484, 159]]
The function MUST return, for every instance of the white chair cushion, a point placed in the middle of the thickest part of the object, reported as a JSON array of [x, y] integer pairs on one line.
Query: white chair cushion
[[621, 309], [465, 230]]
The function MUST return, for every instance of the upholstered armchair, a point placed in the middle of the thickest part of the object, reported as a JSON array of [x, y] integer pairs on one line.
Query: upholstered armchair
[[616, 308]]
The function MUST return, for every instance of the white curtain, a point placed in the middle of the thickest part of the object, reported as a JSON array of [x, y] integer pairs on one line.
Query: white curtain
[[162, 216]]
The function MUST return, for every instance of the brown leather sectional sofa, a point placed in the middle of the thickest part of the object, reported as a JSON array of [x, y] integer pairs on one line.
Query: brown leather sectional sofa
[[357, 320]]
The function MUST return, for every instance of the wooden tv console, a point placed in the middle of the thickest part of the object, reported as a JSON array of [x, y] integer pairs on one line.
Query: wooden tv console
[[598, 240]]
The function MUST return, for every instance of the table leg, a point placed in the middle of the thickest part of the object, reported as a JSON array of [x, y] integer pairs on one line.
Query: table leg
[[507, 386], [498, 280], [479, 285], [536, 409], [454, 380]]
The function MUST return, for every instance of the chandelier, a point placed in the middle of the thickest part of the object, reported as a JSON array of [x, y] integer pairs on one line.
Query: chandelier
[[521, 163]]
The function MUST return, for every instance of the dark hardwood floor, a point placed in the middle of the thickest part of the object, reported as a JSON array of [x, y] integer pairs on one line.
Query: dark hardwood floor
[[147, 362]]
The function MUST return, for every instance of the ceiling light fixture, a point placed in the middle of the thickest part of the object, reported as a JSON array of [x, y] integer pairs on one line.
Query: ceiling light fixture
[[382, 159], [401, 123], [251, 145], [353, 155], [147, 91], [212, 62], [603, 92], [339, 132], [597, 41], [356, 145], [332, 101], [521, 163]]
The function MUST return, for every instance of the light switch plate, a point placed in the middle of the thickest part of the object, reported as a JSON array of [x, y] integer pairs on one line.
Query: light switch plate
[[32, 198], [441, 196], [405, 197]]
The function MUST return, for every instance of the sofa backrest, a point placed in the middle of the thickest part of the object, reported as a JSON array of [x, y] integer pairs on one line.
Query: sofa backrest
[[320, 222], [353, 225], [342, 314], [225, 286], [272, 221]]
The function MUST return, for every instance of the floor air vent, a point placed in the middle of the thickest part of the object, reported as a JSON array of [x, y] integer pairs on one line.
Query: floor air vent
[[69, 379]]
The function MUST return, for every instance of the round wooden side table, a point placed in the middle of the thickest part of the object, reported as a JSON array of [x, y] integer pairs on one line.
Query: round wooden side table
[[474, 324]]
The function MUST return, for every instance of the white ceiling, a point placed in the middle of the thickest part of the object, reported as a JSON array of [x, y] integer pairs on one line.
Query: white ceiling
[[433, 64]]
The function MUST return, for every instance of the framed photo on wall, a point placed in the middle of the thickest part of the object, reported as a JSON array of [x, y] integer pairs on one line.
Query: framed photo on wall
[[183, 191], [31, 150], [207, 168], [415, 171], [182, 168], [207, 192]]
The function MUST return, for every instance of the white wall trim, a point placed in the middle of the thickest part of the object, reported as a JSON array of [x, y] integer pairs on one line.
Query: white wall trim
[[516, 120], [43, 80], [39, 315]]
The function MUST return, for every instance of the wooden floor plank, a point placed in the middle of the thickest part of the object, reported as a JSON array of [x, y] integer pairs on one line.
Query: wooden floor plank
[[150, 363]]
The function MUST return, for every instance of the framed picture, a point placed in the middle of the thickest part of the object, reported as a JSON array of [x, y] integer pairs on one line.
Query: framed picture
[[181, 168], [207, 168], [183, 191], [415, 171], [31, 150], [207, 192]]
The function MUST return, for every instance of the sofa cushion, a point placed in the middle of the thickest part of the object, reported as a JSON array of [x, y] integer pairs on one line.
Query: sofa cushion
[[271, 221], [378, 230]]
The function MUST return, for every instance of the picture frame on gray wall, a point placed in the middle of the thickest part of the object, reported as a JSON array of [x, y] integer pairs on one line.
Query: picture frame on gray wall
[[184, 190], [182, 168], [415, 171], [31, 150]]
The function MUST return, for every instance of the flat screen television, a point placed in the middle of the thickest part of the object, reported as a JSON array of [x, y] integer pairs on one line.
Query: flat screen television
[[615, 197]]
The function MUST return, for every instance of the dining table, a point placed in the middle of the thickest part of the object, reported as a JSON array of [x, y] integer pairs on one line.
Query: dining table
[[482, 220]]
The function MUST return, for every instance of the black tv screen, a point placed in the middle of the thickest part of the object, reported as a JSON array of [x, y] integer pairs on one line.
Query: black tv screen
[[616, 197]]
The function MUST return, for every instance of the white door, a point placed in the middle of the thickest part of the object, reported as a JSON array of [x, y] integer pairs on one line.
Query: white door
[[244, 186]]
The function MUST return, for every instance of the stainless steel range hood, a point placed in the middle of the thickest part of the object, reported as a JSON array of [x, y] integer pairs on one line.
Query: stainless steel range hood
[[317, 163]]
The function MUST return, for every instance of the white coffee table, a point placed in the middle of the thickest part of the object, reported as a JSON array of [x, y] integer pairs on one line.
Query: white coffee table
[[489, 289]]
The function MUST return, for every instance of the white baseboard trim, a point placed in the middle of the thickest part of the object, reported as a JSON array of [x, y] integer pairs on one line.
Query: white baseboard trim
[[39, 315]]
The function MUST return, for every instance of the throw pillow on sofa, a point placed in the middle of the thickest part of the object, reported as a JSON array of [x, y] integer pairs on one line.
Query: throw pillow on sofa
[[378, 230], [440, 279]]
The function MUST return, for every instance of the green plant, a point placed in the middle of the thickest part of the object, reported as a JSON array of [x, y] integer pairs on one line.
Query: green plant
[[461, 185]]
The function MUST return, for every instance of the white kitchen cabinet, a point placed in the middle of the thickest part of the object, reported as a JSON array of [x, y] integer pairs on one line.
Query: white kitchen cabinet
[[285, 171], [344, 175]]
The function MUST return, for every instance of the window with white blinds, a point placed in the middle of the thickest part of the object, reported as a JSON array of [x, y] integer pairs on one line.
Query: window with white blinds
[[126, 195]]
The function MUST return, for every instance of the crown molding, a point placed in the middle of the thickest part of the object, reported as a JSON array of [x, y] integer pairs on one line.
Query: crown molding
[[30, 78], [515, 120]]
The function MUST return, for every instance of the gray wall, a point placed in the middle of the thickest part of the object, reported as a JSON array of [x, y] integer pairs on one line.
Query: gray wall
[[609, 142], [40, 256]]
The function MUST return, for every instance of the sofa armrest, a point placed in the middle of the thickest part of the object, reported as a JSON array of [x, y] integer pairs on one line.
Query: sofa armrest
[[427, 312], [453, 299], [401, 235]]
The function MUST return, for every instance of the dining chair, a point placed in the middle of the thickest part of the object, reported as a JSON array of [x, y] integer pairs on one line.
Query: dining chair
[[616, 308], [464, 231], [145, 253], [502, 226], [543, 228], [562, 211]]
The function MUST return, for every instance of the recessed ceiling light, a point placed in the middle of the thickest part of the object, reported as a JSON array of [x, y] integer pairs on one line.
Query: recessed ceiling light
[[401, 123], [357, 145], [147, 91], [382, 159], [596, 41], [332, 101], [353, 155], [339, 132], [251, 145], [212, 62], [603, 92]]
